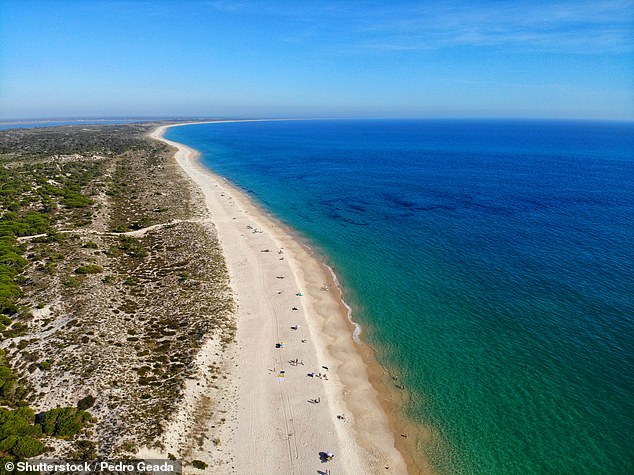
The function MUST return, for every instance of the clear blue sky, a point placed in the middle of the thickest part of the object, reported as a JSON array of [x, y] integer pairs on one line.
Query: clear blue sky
[[569, 59]]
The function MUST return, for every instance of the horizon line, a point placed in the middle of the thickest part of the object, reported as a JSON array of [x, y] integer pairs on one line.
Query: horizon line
[[200, 118]]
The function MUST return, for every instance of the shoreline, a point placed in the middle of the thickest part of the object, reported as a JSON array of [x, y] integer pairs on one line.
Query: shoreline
[[278, 402]]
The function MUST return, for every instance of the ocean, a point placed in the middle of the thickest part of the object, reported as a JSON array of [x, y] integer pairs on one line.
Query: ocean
[[489, 263]]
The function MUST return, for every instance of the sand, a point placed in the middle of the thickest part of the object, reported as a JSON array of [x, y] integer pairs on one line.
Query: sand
[[278, 425]]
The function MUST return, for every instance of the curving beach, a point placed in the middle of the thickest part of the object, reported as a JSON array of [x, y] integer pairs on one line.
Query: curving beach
[[331, 237], [301, 384]]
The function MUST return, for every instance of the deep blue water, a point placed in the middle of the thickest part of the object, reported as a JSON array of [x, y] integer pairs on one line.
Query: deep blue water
[[490, 264]]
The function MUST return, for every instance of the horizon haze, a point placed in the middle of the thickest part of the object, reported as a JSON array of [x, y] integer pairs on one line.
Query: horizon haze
[[486, 59]]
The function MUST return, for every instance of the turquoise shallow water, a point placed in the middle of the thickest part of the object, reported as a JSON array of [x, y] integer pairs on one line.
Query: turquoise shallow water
[[489, 263]]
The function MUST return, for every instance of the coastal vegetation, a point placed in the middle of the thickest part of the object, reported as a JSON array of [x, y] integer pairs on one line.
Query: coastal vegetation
[[21, 429], [110, 278]]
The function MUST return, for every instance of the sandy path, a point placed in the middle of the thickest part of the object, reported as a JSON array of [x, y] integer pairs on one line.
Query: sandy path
[[280, 428]]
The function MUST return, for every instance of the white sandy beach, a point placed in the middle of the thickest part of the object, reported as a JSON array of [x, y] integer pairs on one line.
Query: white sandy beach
[[278, 427]]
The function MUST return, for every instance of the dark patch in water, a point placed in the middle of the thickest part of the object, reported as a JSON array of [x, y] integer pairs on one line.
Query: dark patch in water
[[359, 208], [435, 207], [334, 214]]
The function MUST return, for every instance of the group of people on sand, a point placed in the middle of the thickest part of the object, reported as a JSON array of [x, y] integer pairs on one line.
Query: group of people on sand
[[318, 375], [326, 456]]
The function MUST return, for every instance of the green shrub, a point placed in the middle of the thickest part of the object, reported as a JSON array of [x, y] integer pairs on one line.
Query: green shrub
[[18, 434], [72, 282], [89, 269], [27, 447], [74, 199], [9, 292], [11, 264], [63, 422], [45, 365], [13, 260], [85, 450], [8, 381], [132, 247], [32, 222], [7, 444]]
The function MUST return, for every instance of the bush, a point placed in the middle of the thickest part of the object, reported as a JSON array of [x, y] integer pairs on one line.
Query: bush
[[132, 247], [12, 259], [89, 269], [72, 282], [27, 447], [28, 224], [86, 403], [74, 199], [8, 382], [45, 365], [199, 464], [85, 450], [7, 444], [11, 264], [63, 422], [18, 434]]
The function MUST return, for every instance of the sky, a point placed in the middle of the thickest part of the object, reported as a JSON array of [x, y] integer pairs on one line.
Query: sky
[[271, 58]]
